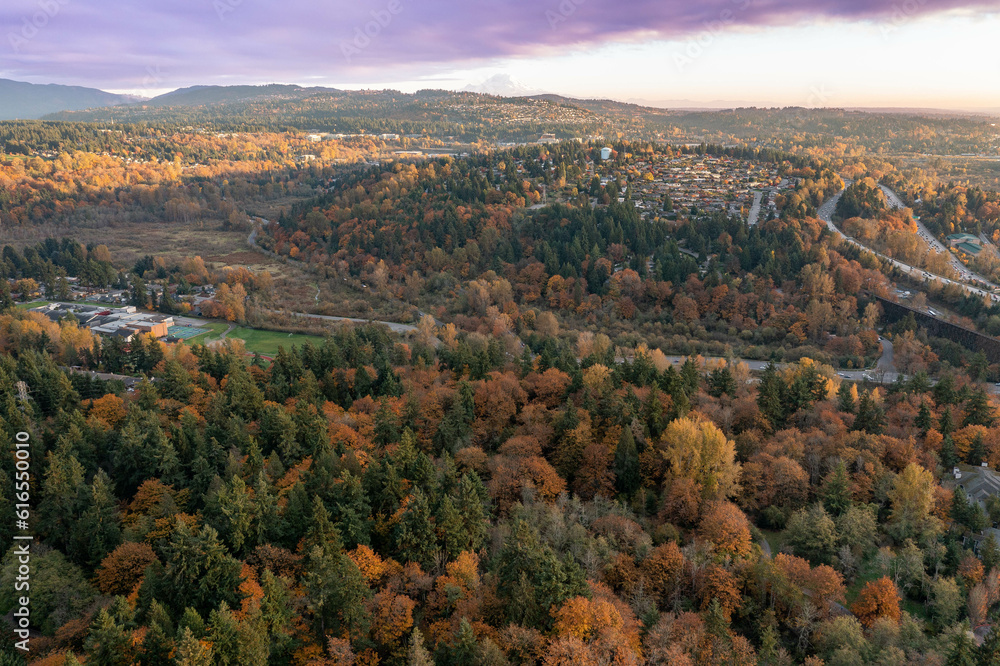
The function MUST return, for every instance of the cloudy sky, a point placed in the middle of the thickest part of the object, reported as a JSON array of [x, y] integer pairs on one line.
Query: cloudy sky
[[934, 53]]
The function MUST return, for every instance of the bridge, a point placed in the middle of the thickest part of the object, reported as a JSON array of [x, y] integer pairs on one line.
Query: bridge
[[943, 329]]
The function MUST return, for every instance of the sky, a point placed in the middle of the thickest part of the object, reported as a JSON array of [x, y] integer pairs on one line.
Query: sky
[[916, 53]]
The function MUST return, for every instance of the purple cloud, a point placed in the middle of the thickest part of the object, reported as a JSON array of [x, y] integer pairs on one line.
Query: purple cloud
[[126, 44]]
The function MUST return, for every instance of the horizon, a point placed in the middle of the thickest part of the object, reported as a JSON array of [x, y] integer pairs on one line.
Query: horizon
[[921, 54]]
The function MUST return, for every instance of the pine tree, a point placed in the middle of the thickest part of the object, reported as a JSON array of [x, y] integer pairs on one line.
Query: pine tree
[[989, 553], [450, 528], [690, 379], [109, 643], [626, 465], [191, 651], [770, 397], [959, 506], [721, 382], [98, 531], [223, 633], [988, 653], [386, 424], [836, 490], [978, 410], [870, 417], [845, 397], [158, 642], [414, 535], [418, 654], [962, 652], [949, 458], [465, 649], [924, 420], [338, 594], [472, 496], [945, 425]]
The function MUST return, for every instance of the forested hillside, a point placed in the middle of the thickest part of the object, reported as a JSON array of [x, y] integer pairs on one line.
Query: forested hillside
[[566, 457], [392, 502]]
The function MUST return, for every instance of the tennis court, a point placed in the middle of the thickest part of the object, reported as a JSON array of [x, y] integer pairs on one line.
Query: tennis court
[[185, 332]]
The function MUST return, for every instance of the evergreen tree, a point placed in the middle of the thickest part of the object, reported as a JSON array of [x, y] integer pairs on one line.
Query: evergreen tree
[[191, 651], [945, 425], [924, 420], [158, 642], [870, 417], [962, 652], [414, 535], [465, 650], [386, 424], [988, 653], [418, 654], [949, 458], [959, 506], [721, 382], [836, 491], [978, 410], [989, 553], [626, 464], [98, 531], [108, 643], [770, 398], [450, 528], [338, 594], [845, 397], [472, 497]]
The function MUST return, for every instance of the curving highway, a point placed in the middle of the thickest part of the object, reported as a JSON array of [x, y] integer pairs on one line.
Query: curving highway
[[825, 213]]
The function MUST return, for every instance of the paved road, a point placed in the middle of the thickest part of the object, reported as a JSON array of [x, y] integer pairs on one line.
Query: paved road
[[963, 272], [393, 326], [755, 208], [825, 213], [883, 373]]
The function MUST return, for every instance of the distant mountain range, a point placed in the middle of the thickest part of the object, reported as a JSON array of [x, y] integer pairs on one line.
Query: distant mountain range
[[502, 85], [30, 100], [208, 103]]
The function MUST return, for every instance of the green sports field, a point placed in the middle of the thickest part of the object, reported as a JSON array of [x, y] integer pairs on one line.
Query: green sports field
[[267, 343]]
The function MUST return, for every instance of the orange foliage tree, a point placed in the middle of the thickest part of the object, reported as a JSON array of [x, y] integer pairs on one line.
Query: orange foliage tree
[[878, 599]]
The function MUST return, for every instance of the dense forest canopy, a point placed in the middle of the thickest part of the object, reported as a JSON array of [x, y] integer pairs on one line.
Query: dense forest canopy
[[565, 458]]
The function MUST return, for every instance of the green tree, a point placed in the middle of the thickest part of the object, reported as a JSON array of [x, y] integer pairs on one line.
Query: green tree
[[532, 579], [626, 464], [813, 534], [721, 382], [98, 531], [962, 651], [924, 419], [199, 572], [870, 415], [989, 552], [191, 651], [770, 397], [979, 410], [414, 535], [836, 490], [945, 425], [109, 643], [337, 595], [946, 601], [845, 397]]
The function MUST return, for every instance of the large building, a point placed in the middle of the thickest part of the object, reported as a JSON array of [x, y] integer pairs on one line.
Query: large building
[[123, 322]]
